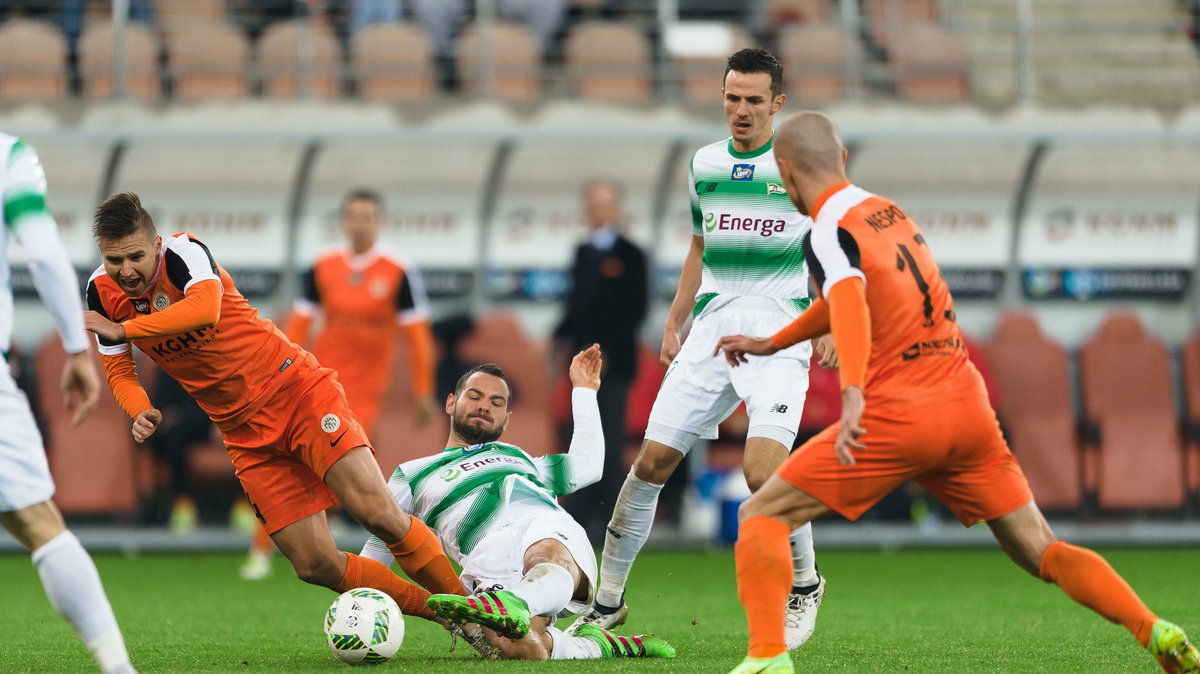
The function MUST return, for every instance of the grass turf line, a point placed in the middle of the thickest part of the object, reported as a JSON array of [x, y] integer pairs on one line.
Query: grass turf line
[[923, 611]]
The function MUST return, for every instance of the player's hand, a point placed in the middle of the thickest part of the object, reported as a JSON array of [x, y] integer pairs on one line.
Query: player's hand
[[113, 332], [80, 386], [736, 347], [670, 347], [849, 430], [145, 424], [424, 408], [585, 368], [827, 355]]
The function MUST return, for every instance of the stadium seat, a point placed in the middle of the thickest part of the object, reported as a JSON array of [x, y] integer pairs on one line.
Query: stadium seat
[[1190, 364], [33, 61], [699, 74], [1036, 408], [94, 464], [498, 338], [180, 16], [1129, 402], [814, 58], [889, 20], [514, 63], [96, 57], [930, 65], [299, 57], [208, 62], [609, 61], [779, 13], [392, 62]]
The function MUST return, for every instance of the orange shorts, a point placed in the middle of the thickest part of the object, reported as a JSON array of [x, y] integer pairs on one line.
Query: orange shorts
[[954, 449], [280, 454]]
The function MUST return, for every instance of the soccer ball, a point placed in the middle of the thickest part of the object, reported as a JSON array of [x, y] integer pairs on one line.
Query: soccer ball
[[364, 626]]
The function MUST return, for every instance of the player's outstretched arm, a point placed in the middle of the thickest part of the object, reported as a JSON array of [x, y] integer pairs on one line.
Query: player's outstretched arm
[[685, 298], [737, 347], [80, 386], [583, 463]]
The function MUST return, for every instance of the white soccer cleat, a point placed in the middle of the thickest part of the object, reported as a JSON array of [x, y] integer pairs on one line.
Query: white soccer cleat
[[256, 567], [605, 621], [801, 617]]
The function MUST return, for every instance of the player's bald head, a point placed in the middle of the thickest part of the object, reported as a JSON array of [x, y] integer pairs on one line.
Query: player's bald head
[[809, 141]]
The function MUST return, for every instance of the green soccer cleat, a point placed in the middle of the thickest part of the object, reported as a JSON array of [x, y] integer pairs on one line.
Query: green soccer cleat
[[502, 611], [780, 664], [617, 646], [1169, 645]]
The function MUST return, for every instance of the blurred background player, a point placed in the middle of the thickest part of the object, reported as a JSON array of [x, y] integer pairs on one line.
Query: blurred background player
[[606, 306], [362, 294], [495, 509], [296, 447], [913, 407], [67, 572], [744, 271]]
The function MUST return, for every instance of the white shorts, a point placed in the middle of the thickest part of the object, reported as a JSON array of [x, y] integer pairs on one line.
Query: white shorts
[[499, 558], [24, 473], [700, 390]]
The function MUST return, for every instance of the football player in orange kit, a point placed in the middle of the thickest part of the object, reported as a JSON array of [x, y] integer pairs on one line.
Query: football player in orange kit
[[363, 294], [913, 407], [295, 445]]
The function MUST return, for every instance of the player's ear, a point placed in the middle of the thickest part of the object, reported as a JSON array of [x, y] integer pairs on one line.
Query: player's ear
[[777, 104], [450, 404]]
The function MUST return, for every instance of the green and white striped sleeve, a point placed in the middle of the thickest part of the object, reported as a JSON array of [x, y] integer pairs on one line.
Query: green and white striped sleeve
[[694, 200], [583, 464], [375, 548]]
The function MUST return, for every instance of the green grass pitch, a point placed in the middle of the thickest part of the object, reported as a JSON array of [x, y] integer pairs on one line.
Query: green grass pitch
[[919, 611]]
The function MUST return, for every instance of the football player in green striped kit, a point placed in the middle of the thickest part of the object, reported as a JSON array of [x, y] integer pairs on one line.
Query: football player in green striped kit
[[744, 272], [495, 510]]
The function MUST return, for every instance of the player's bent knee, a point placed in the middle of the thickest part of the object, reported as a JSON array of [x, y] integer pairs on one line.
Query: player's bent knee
[[317, 570], [35, 525], [656, 462]]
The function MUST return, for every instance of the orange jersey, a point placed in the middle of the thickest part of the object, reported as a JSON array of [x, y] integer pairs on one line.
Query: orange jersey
[[917, 351], [230, 367], [362, 298]]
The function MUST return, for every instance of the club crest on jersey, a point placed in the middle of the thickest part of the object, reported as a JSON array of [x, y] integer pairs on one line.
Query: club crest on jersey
[[161, 301], [449, 474], [141, 306], [772, 188], [743, 172], [378, 288], [330, 423]]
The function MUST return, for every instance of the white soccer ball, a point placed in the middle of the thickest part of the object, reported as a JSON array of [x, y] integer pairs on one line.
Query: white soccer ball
[[364, 626]]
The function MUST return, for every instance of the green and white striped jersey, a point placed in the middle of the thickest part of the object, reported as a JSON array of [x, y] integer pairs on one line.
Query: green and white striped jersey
[[29, 223], [463, 492], [751, 229]]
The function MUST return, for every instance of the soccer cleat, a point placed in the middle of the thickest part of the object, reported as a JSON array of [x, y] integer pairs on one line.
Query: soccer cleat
[[502, 611], [1169, 644], [256, 567], [473, 635], [801, 616], [600, 619], [780, 664], [617, 646]]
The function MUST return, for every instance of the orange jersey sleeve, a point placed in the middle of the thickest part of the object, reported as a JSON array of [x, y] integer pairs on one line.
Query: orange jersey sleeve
[[420, 348], [814, 322], [915, 349], [121, 373], [297, 327], [850, 320], [200, 306]]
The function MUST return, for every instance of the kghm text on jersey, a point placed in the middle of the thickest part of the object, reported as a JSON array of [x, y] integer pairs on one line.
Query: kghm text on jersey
[[881, 220], [182, 344]]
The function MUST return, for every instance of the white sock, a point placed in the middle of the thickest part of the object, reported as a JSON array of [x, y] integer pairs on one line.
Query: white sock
[[566, 647], [632, 518], [73, 586], [804, 559], [547, 588]]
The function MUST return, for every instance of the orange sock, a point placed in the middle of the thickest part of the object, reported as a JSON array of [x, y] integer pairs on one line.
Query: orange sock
[[764, 576], [1089, 580], [261, 543], [420, 555], [363, 572]]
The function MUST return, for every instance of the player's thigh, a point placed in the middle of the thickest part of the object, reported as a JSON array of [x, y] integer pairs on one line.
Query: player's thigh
[[696, 393], [774, 389], [761, 458], [977, 477], [34, 526], [357, 482], [24, 472], [850, 491], [310, 548]]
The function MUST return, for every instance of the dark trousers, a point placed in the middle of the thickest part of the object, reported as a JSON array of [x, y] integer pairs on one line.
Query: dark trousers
[[593, 506]]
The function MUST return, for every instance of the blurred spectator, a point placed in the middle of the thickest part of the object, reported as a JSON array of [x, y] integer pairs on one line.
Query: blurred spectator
[[255, 15], [606, 305], [75, 13], [183, 425], [442, 18]]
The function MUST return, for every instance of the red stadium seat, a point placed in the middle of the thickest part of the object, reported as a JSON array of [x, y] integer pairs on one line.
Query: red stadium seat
[[392, 62], [93, 465], [1128, 396], [609, 61], [1036, 408], [33, 61]]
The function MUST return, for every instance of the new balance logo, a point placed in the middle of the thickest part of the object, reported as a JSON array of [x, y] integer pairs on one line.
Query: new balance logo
[[782, 409]]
